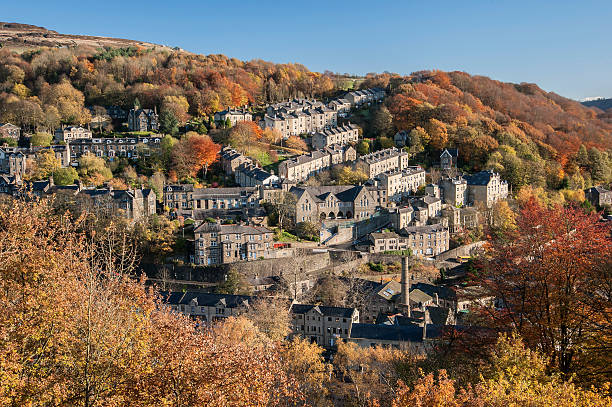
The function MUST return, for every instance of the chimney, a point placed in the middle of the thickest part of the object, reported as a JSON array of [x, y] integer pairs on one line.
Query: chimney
[[405, 284], [424, 330], [436, 298]]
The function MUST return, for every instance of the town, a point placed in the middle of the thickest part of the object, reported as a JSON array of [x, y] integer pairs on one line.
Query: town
[[207, 231]]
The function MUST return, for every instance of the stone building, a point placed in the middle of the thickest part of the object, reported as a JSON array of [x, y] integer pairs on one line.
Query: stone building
[[360, 97], [341, 105], [143, 120], [13, 162], [314, 204], [346, 134], [454, 191], [218, 244], [234, 116], [598, 196], [8, 130], [427, 240], [321, 324], [133, 204], [205, 306], [232, 159], [399, 184], [250, 175], [448, 158], [486, 187], [185, 200], [70, 133], [299, 169], [114, 147], [382, 161], [299, 116], [459, 218]]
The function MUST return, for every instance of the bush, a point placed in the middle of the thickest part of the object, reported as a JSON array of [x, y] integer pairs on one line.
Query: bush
[[378, 267], [308, 231], [41, 139]]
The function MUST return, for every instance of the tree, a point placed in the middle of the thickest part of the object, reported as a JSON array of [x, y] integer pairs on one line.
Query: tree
[[244, 134], [93, 170], [363, 147], [168, 123], [437, 133], [307, 230], [178, 106], [271, 317], [193, 153], [45, 165], [382, 122], [503, 219], [346, 175], [297, 143], [65, 176], [549, 277], [9, 141], [271, 136], [234, 283], [41, 139], [68, 101], [156, 183]]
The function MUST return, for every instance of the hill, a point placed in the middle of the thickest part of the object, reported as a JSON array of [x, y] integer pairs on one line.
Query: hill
[[532, 136], [602, 103], [24, 36]]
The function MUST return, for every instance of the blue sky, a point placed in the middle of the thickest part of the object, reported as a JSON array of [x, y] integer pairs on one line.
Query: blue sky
[[563, 46]]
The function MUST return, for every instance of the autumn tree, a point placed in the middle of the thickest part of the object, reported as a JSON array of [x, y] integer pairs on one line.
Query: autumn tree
[[437, 133], [193, 153], [244, 134], [297, 143], [41, 139], [68, 101], [271, 317], [44, 165], [548, 274], [178, 106], [382, 122], [93, 170], [65, 176]]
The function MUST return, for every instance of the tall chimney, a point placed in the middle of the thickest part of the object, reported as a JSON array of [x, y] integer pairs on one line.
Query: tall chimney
[[437, 299], [424, 330], [405, 283]]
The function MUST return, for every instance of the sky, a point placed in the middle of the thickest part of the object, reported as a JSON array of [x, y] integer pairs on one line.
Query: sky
[[563, 46]]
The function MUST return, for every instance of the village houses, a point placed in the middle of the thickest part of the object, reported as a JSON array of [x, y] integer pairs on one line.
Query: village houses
[[218, 244]]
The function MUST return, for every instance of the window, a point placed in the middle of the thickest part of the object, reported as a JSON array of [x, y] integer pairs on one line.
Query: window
[[329, 319]]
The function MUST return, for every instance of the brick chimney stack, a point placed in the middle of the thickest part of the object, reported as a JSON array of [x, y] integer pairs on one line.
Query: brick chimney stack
[[405, 283]]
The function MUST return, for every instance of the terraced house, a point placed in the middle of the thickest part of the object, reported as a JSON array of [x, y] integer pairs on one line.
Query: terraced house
[[72, 133], [323, 325], [185, 200], [399, 184], [349, 133], [111, 147], [218, 244], [382, 161], [234, 116], [299, 116], [314, 204], [8, 130], [486, 187], [301, 168]]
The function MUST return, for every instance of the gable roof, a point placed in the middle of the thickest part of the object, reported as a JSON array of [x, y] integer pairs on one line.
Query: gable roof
[[398, 333], [340, 312]]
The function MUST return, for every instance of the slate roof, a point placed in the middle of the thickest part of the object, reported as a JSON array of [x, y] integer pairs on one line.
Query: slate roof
[[454, 152], [345, 193], [204, 299], [224, 229], [480, 178], [399, 333], [341, 312], [233, 192]]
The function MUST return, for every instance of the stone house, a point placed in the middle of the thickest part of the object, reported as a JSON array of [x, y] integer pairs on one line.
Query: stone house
[[417, 339], [454, 191], [185, 200], [387, 241], [346, 134], [232, 159], [205, 306], [427, 240], [218, 244], [8, 130], [400, 184], [299, 116], [486, 187], [448, 158], [13, 162], [234, 116], [134, 204], [143, 120], [299, 169], [315, 204], [598, 196], [432, 204], [250, 175], [401, 138], [382, 161], [342, 106], [321, 324], [459, 218], [114, 147], [70, 133]]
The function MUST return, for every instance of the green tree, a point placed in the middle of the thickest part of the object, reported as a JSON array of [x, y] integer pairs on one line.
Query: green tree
[[65, 176], [582, 156], [307, 230], [228, 123], [93, 170], [41, 139], [168, 124], [363, 147], [234, 283], [11, 142], [382, 122]]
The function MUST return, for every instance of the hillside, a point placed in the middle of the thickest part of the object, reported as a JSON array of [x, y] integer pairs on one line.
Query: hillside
[[532, 136], [24, 36], [603, 104]]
